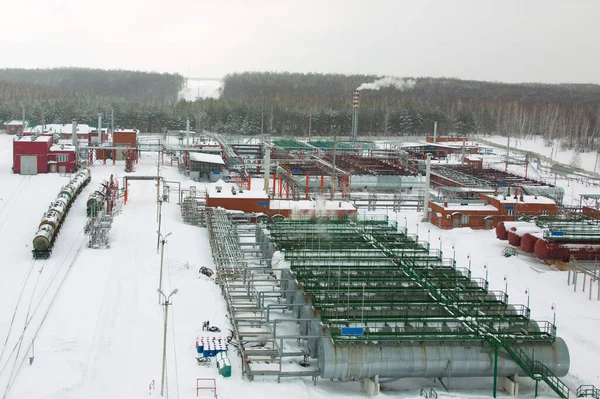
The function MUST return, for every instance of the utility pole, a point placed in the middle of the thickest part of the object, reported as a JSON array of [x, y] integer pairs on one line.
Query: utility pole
[[507, 151], [159, 223], [158, 193], [162, 257], [164, 356]]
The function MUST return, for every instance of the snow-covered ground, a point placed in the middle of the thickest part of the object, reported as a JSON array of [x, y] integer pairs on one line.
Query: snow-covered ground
[[538, 145], [94, 325], [197, 88]]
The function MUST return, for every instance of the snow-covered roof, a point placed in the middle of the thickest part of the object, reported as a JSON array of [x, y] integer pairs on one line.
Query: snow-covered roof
[[15, 123], [38, 139], [62, 147], [62, 128], [206, 158], [311, 205], [469, 207], [126, 131], [226, 191], [527, 199]]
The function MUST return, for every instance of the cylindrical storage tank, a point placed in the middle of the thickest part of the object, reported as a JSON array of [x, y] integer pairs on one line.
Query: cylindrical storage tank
[[501, 232], [528, 242], [363, 360], [43, 237], [513, 238], [563, 251], [545, 250]]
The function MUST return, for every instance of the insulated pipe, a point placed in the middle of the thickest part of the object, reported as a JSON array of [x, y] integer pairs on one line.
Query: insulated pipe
[[364, 360]]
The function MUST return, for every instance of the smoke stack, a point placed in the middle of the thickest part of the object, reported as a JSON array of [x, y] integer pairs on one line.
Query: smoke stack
[[74, 134]]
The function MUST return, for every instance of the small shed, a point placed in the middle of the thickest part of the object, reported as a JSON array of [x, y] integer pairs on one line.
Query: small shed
[[30, 154], [124, 139], [15, 127], [206, 167]]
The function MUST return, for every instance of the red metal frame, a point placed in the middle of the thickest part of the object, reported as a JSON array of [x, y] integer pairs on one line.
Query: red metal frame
[[212, 388]]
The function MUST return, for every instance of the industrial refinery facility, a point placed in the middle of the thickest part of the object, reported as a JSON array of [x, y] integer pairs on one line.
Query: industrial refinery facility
[[357, 266]]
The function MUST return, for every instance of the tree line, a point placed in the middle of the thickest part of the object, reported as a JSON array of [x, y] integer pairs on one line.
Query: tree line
[[293, 104]]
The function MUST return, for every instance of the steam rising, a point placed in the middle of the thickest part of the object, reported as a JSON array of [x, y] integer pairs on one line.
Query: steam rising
[[389, 81]]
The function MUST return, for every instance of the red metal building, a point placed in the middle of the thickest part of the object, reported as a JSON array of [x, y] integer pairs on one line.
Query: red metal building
[[125, 138], [61, 158], [30, 155]]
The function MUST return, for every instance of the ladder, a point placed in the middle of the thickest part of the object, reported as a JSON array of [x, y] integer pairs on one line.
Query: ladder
[[536, 370]]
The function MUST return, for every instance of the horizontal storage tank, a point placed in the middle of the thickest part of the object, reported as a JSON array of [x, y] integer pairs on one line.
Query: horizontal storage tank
[[362, 360], [562, 251], [513, 238], [503, 228], [501, 232], [528, 242], [516, 233]]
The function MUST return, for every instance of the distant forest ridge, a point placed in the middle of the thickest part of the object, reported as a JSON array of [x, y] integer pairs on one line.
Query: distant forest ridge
[[158, 88], [296, 104]]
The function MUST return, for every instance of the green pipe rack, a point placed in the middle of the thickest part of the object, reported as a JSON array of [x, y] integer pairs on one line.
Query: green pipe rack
[[373, 274]]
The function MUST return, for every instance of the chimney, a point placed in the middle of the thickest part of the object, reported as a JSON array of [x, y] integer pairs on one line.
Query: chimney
[[508, 191], [516, 193], [340, 204], [445, 204], [521, 198]]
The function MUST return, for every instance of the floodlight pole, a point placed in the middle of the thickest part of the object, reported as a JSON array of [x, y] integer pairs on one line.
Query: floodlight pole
[[164, 357], [162, 257], [159, 223]]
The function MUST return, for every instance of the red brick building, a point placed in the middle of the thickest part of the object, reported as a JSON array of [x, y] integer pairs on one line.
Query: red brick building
[[228, 196], [15, 127], [492, 209], [453, 215]]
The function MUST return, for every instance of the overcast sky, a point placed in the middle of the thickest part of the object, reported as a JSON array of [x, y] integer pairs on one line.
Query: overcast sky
[[501, 40]]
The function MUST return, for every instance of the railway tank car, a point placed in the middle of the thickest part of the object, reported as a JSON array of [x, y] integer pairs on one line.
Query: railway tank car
[[53, 218]]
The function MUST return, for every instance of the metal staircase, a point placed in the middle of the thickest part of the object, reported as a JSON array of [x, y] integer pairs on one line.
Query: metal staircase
[[588, 391], [535, 369]]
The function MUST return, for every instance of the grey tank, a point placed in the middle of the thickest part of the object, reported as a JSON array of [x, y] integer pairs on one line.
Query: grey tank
[[395, 360]]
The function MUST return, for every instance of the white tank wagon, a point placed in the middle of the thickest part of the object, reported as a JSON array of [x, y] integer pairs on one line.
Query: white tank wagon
[[95, 201], [53, 219]]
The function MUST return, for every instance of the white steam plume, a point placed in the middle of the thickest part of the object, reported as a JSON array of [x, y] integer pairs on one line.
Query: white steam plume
[[389, 81]]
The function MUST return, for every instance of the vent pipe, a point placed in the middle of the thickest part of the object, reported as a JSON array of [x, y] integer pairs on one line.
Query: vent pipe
[[267, 168], [99, 130], [427, 183], [74, 134], [187, 133]]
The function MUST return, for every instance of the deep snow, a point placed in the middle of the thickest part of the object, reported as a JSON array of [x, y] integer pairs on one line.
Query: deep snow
[[97, 324]]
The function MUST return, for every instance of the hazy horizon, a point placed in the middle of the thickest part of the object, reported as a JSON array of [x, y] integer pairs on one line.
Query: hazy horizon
[[536, 41]]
